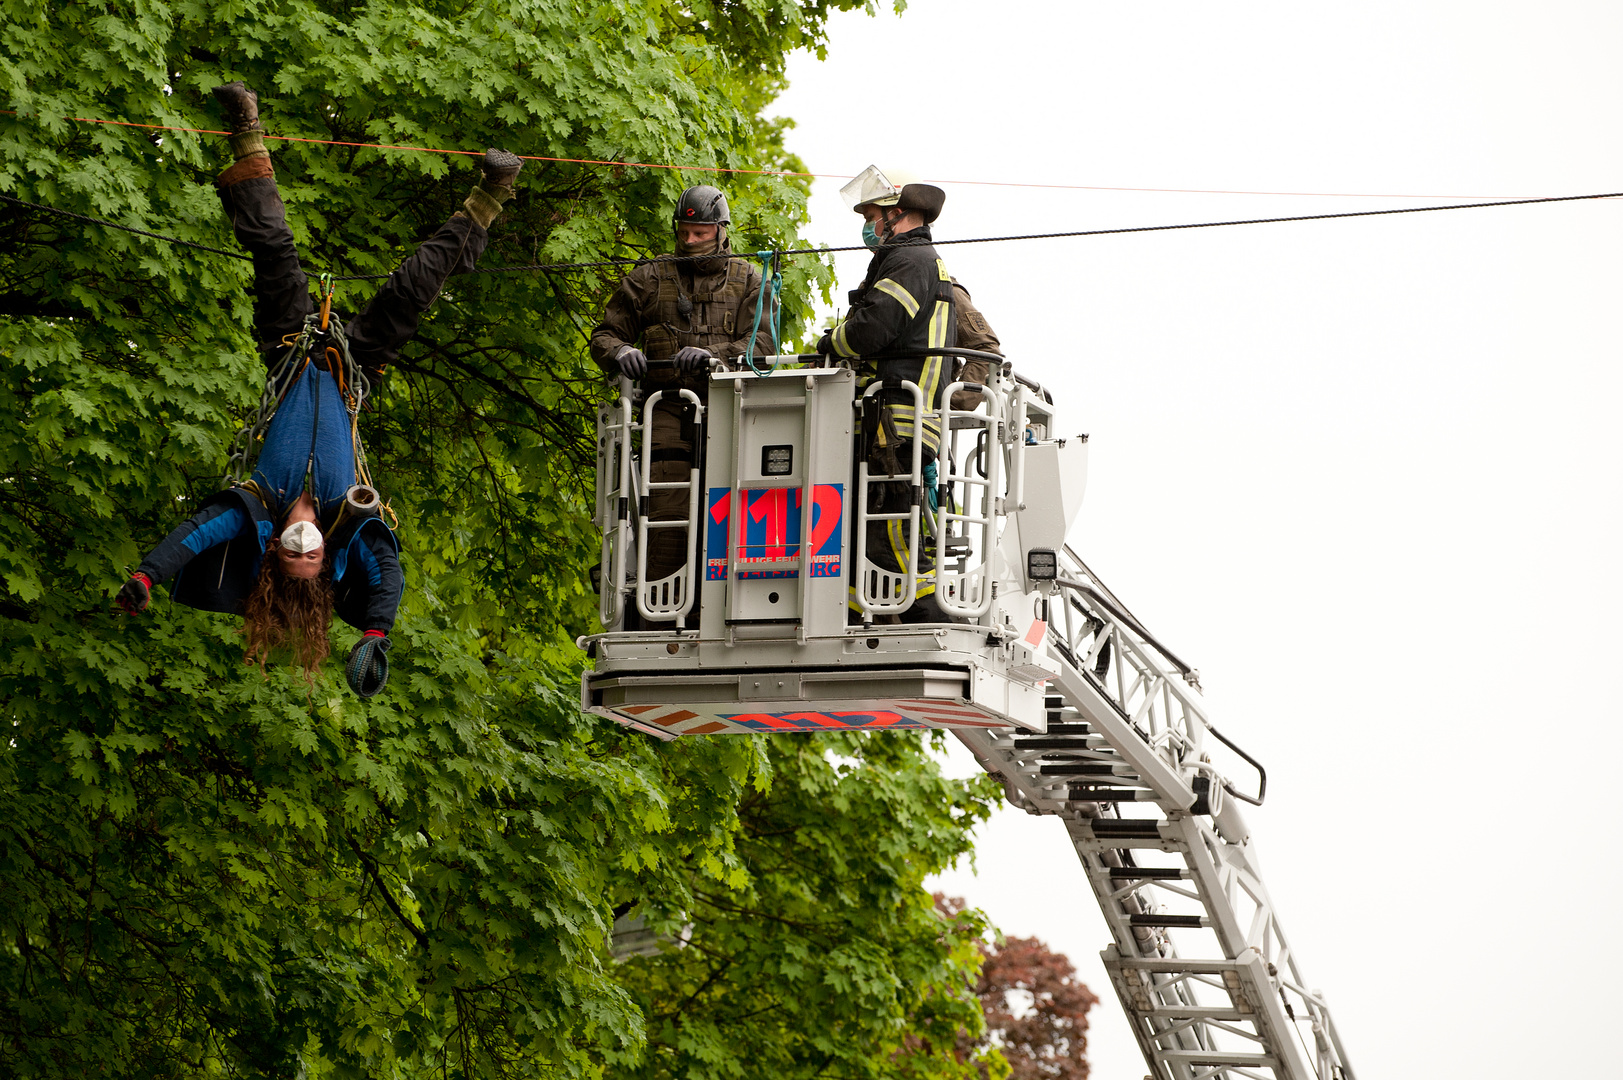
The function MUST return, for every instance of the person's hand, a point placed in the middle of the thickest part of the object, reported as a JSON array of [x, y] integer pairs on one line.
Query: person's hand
[[367, 670], [825, 344], [633, 364], [135, 595], [691, 358]]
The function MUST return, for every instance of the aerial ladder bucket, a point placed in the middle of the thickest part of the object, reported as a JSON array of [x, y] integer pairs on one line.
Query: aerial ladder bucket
[[1040, 671]]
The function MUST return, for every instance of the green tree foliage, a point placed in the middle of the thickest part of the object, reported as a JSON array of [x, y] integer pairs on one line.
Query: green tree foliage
[[826, 940], [205, 870]]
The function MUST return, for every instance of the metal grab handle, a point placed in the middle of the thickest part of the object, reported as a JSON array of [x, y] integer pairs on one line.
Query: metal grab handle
[[681, 582], [614, 504], [1016, 433], [987, 424], [909, 575]]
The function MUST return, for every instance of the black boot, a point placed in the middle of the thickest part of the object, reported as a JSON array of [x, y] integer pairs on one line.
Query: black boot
[[240, 107]]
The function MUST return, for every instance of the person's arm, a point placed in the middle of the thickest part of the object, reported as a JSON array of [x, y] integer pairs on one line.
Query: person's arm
[[891, 304], [212, 525], [385, 583], [974, 332], [621, 325]]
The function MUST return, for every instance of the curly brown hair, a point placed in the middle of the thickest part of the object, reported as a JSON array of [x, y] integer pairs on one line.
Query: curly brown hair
[[285, 610]]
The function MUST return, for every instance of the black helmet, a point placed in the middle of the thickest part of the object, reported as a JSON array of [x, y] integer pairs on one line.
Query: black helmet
[[702, 205]]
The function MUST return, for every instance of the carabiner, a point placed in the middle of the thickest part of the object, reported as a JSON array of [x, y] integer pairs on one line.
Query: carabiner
[[325, 287]]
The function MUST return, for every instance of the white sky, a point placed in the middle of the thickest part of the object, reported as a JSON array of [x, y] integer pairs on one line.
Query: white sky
[[1361, 473]]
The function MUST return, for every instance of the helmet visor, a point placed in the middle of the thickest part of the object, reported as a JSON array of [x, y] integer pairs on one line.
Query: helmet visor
[[870, 186]]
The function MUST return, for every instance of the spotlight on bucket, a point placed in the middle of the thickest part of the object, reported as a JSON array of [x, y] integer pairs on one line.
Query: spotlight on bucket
[[362, 499]]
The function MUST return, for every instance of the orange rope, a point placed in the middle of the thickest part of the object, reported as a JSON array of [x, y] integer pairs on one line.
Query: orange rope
[[783, 172]]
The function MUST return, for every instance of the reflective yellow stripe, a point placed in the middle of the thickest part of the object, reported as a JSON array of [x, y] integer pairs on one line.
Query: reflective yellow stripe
[[930, 378], [896, 533], [840, 347], [890, 288], [939, 321]]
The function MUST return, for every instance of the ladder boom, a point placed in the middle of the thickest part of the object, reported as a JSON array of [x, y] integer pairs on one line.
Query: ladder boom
[[781, 620]]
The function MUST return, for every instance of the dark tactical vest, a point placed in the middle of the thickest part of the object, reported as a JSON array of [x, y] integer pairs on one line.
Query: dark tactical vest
[[710, 320]]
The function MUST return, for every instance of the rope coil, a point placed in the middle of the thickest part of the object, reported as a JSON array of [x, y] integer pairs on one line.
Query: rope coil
[[353, 388], [771, 270]]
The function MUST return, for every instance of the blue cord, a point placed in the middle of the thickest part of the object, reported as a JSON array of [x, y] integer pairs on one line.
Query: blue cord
[[768, 258]]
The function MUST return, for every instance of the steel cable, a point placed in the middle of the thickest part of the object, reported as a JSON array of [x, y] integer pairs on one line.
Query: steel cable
[[630, 261]]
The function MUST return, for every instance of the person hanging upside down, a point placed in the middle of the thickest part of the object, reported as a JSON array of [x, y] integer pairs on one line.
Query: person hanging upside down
[[287, 550]]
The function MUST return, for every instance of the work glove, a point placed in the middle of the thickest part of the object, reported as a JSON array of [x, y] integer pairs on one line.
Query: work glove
[[135, 595], [633, 364], [691, 358], [825, 344], [367, 669]]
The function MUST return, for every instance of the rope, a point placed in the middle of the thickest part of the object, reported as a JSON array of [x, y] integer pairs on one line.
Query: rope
[[353, 387], [129, 229], [769, 271], [278, 381], [773, 172], [1247, 221], [628, 261]]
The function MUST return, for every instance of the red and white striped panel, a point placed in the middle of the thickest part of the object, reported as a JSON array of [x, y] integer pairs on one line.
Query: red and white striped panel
[[670, 721], [952, 713]]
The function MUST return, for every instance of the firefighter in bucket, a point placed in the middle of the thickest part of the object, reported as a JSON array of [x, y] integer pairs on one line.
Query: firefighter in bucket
[[905, 305]]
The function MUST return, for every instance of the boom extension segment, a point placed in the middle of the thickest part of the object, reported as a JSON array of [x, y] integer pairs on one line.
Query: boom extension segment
[[782, 621]]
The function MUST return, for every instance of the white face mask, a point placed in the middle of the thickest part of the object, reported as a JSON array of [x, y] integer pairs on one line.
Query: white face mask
[[301, 537]]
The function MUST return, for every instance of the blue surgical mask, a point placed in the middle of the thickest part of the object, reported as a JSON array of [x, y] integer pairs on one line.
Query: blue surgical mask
[[869, 237]]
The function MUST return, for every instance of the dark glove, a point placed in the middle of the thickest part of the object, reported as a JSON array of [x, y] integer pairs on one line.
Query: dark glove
[[633, 364], [691, 358], [135, 595], [825, 344], [367, 670]]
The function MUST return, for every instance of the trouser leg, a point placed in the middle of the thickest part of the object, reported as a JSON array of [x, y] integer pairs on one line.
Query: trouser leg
[[889, 542], [671, 461], [259, 220], [377, 334]]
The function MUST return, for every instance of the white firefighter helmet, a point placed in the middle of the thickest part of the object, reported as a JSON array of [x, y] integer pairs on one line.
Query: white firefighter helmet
[[893, 187]]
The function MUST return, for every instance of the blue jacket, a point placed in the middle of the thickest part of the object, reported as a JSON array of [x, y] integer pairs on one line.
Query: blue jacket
[[214, 558]]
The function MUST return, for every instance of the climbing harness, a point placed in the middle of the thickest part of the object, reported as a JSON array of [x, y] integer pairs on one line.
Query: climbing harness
[[324, 336], [771, 267]]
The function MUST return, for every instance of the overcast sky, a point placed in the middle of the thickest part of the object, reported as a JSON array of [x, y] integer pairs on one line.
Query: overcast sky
[[1363, 473]]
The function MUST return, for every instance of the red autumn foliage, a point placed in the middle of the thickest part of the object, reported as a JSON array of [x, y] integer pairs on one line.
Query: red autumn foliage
[[1036, 1008]]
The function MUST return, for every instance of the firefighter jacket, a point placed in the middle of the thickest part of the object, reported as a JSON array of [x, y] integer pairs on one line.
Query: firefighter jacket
[[214, 558], [669, 304], [904, 305]]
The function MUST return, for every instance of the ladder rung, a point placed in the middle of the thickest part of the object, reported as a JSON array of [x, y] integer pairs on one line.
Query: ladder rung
[[1067, 729], [1159, 873], [1110, 794], [1194, 921], [1198, 1012], [1062, 742], [1220, 1057], [1126, 828], [1085, 768]]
